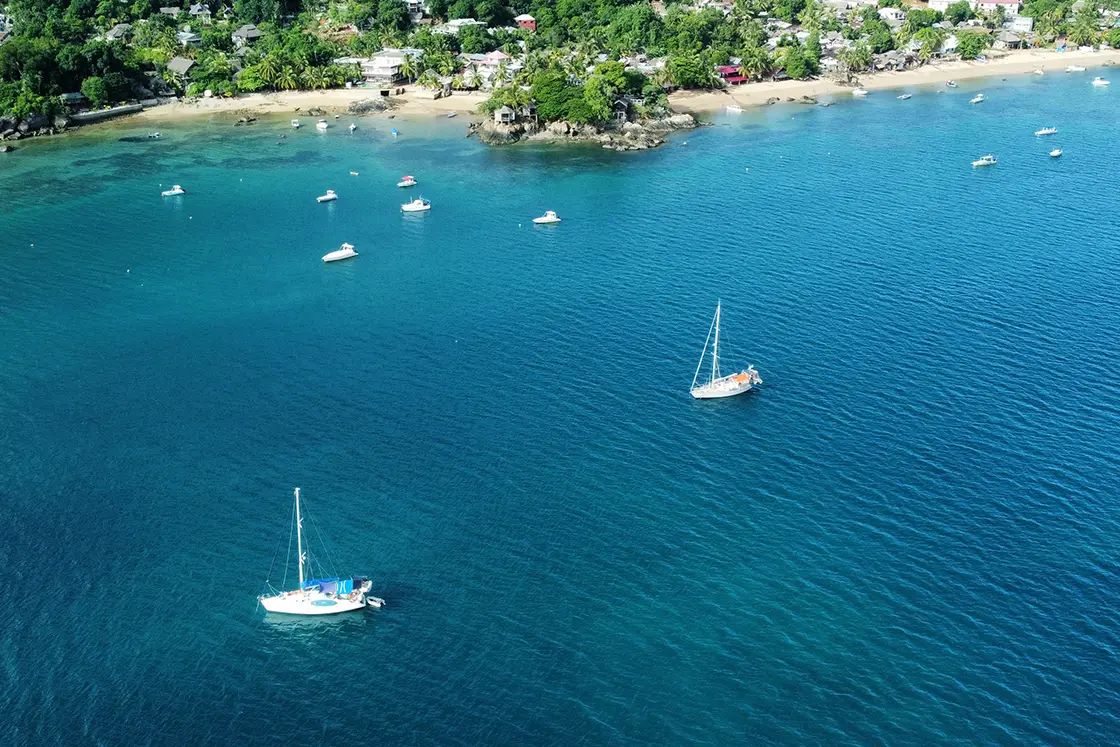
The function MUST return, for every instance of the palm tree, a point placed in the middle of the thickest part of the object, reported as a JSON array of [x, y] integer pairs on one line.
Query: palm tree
[[475, 80], [1085, 28], [408, 67], [931, 40], [458, 83], [811, 17], [269, 70], [288, 78], [756, 63]]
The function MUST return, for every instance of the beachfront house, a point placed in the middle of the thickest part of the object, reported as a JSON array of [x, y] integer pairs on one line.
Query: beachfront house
[[1008, 40], [181, 66], [1022, 24], [505, 115], [526, 22], [949, 46], [385, 68], [1010, 7], [730, 75], [246, 35]]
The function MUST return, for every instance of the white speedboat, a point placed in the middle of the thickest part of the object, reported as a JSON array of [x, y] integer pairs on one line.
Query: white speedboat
[[905, 96], [734, 109], [154, 135], [978, 98], [330, 196], [859, 92], [319, 596], [176, 190], [419, 205], [719, 386], [1056, 153], [951, 84], [988, 160], [1099, 81], [346, 251], [407, 181], [321, 125], [1075, 69], [548, 217], [1046, 131], [295, 123], [352, 127], [452, 115], [1039, 71]]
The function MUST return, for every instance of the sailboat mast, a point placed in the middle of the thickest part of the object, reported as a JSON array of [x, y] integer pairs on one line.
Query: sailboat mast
[[715, 347], [299, 540]]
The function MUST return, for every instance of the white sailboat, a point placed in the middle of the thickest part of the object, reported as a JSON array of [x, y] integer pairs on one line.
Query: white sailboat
[[721, 386], [321, 596]]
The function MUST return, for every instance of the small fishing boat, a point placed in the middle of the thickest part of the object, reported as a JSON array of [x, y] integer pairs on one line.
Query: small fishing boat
[[548, 217], [321, 125], [905, 96], [330, 196], [176, 190], [1075, 69], [1046, 131], [719, 386], [295, 124], [452, 115], [988, 160], [353, 173], [1038, 71], [320, 596], [1099, 81], [345, 252], [407, 181], [419, 205], [859, 92], [950, 84], [394, 132], [734, 109], [154, 135], [978, 98], [1056, 153], [352, 127]]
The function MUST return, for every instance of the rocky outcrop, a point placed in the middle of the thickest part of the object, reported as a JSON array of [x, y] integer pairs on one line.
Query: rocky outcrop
[[13, 128], [371, 105], [641, 135]]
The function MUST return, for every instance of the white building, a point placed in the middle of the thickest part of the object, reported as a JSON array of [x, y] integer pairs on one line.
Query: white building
[[1010, 7], [893, 14], [385, 68]]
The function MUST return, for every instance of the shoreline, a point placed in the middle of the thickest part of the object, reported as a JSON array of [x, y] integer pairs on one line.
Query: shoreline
[[1013, 63]]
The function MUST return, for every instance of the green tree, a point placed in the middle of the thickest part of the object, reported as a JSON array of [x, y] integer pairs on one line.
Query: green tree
[[94, 89], [971, 46], [475, 40], [288, 79], [755, 63], [958, 12], [813, 51], [857, 57], [408, 67], [1085, 29], [931, 40], [690, 71], [795, 63]]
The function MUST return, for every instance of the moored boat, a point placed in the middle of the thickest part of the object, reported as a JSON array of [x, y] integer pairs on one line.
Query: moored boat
[[859, 92], [346, 251], [1075, 69], [905, 96], [978, 98], [330, 196], [407, 181], [318, 596], [719, 386], [1099, 81], [988, 160], [321, 125], [419, 205], [1046, 131], [176, 190], [734, 109], [295, 123], [1056, 153], [353, 126], [548, 217], [951, 84]]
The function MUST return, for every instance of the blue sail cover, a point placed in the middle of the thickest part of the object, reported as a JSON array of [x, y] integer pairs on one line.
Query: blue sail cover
[[331, 585]]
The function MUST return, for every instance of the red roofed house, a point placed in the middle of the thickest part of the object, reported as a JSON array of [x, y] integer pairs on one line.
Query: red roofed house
[[730, 75], [526, 21]]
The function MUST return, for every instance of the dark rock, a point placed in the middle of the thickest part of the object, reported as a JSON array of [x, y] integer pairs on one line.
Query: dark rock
[[807, 100], [60, 122], [6, 149], [773, 100], [38, 122]]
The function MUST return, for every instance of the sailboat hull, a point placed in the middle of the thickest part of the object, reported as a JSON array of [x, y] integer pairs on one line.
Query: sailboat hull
[[716, 391], [312, 604]]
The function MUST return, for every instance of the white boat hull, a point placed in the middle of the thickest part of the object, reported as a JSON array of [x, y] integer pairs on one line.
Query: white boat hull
[[406, 184], [332, 198], [338, 255], [410, 209], [717, 389], [294, 603], [545, 221]]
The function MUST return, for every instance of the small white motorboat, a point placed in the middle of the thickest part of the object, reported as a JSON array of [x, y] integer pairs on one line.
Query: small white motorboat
[[1075, 69], [419, 205], [734, 109], [1056, 152], [452, 115], [345, 252], [978, 98], [1099, 81], [905, 96], [353, 127], [1038, 71], [859, 92], [330, 196], [353, 173], [295, 123], [176, 190], [407, 181], [1046, 131], [549, 216], [321, 125], [951, 84], [988, 160], [154, 136]]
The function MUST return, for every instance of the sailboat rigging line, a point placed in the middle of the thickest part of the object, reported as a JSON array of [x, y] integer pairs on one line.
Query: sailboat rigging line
[[288, 559], [332, 568], [702, 354]]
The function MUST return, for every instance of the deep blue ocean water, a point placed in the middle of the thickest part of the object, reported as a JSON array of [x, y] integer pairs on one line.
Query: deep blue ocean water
[[908, 535]]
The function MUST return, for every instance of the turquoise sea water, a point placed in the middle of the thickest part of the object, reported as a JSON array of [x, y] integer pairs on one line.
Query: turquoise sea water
[[908, 535]]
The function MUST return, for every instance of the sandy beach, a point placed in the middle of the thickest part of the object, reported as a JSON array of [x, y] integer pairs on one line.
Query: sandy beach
[[333, 101], [1012, 63]]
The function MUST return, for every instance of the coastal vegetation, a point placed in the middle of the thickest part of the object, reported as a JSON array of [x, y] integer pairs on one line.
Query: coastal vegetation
[[576, 61]]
